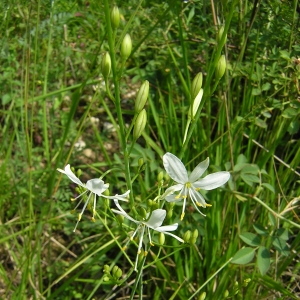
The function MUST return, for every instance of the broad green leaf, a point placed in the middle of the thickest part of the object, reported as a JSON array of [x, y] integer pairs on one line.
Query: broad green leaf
[[249, 178], [252, 169], [294, 127], [269, 187], [266, 86], [243, 256], [250, 238], [260, 229], [281, 246], [256, 92], [289, 113], [284, 54], [261, 123], [241, 159], [263, 260], [282, 233]]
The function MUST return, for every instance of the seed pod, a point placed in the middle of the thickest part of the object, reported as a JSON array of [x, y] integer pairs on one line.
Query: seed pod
[[196, 85], [126, 47], [142, 96], [140, 124], [221, 67], [106, 65], [115, 18]]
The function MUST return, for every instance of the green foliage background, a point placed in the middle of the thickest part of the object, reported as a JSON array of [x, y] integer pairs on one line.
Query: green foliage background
[[55, 110]]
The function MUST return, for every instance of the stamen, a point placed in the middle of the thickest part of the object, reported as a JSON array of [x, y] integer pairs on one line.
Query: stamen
[[182, 216]]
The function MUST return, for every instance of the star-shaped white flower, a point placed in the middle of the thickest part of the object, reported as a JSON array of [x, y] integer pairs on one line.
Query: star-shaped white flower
[[93, 187], [154, 222], [190, 185]]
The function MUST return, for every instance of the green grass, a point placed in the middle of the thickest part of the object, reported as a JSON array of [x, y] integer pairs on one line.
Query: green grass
[[53, 96]]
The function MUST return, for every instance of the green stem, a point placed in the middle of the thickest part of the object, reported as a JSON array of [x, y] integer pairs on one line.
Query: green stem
[[118, 99]]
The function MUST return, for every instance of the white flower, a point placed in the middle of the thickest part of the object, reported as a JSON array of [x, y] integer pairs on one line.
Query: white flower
[[93, 188], [190, 185], [154, 222]]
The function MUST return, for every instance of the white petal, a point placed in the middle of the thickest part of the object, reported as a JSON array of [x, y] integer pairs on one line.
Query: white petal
[[122, 212], [96, 186], [156, 219], [167, 228], [175, 168], [122, 197], [199, 170], [212, 181], [172, 189], [67, 171], [173, 198], [175, 236]]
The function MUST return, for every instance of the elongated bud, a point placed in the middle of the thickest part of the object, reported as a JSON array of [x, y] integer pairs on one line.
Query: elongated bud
[[115, 18], [126, 47], [202, 296], [160, 176], [116, 272], [142, 96], [106, 65], [221, 67], [143, 212], [195, 233], [169, 214], [196, 85], [197, 101], [120, 218], [226, 294], [140, 124], [106, 269], [161, 238], [220, 33], [187, 236]]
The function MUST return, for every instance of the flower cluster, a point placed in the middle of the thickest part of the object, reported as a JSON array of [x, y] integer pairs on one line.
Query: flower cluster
[[187, 186]]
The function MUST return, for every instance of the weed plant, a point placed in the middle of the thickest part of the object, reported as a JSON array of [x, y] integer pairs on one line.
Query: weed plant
[[69, 95]]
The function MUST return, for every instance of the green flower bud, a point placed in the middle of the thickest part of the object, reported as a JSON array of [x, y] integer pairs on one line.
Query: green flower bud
[[116, 272], [106, 269], [106, 193], [202, 296], [169, 214], [115, 18], [161, 238], [197, 101], [221, 67], [140, 162], [126, 47], [192, 241], [187, 236], [246, 282], [155, 205], [143, 212], [220, 33], [150, 202], [171, 204], [106, 279], [106, 65], [79, 172], [195, 234], [226, 294], [196, 85], [142, 96], [120, 218], [140, 124], [160, 176]]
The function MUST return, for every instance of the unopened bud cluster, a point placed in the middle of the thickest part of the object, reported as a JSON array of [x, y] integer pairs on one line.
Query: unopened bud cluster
[[190, 237]]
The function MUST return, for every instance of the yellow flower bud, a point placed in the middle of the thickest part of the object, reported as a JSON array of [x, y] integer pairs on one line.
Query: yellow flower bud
[[115, 18], [126, 47], [140, 124], [196, 85], [142, 96], [106, 65], [221, 67]]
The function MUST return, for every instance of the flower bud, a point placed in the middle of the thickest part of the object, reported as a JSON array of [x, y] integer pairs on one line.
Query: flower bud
[[169, 214], [202, 296], [120, 218], [79, 172], [221, 67], [150, 202], [140, 124], [143, 212], [161, 238], [226, 294], [115, 18], [160, 176], [220, 33], [187, 236], [126, 47], [140, 162], [195, 233], [106, 65], [142, 96], [106, 269], [106, 278], [116, 272], [196, 103], [196, 85]]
